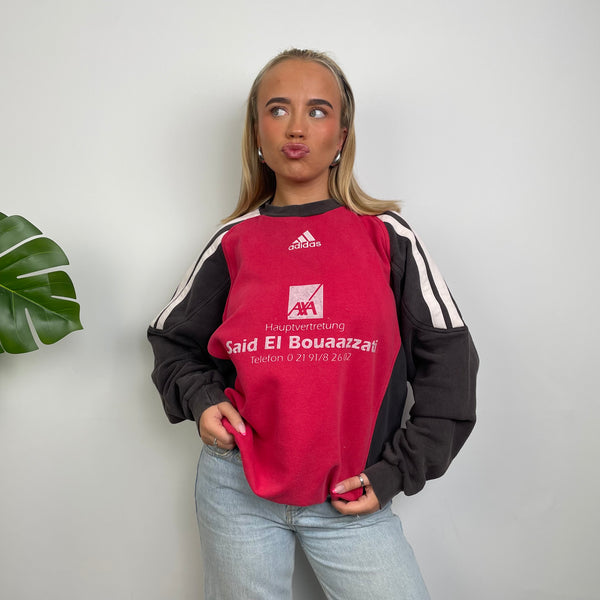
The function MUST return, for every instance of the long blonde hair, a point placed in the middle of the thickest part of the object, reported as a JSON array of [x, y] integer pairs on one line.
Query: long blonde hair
[[258, 180]]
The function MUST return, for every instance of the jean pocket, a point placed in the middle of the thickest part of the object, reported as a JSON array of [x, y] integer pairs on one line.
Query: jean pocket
[[232, 455]]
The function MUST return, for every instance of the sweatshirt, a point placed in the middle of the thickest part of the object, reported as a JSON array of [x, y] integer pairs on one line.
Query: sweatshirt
[[313, 321]]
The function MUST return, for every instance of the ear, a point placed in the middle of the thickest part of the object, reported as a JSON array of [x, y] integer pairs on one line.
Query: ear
[[257, 137], [343, 135]]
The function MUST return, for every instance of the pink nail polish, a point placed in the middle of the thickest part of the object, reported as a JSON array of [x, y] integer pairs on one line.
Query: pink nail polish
[[338, 489], [242, 428]]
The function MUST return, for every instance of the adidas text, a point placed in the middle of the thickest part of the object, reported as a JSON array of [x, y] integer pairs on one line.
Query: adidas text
[[306, 240], [298, 245]]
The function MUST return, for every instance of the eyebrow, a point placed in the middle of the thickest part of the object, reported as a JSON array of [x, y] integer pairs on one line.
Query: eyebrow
[[312, 102]]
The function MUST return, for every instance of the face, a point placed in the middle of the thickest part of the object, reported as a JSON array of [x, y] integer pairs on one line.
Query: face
[[298, 129]]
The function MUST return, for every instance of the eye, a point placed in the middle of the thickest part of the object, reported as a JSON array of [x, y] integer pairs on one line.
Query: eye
[[317, 113], [278, 111]]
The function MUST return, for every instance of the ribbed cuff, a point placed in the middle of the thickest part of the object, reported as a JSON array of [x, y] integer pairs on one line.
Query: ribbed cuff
[[211, 394], [386, 480]]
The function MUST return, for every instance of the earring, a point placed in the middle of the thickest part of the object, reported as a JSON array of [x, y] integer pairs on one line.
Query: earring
[[337, 159], [261, 158]]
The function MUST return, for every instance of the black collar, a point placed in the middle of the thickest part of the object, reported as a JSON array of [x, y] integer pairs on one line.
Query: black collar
[[299, 210]]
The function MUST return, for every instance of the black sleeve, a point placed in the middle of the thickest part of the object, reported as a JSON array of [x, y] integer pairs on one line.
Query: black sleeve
[[441, 366], [187, 377]]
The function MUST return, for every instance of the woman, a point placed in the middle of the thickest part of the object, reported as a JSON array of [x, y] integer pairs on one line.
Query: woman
[[291, 341]]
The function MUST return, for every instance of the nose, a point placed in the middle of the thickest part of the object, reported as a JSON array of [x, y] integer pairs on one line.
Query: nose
[[296, 127]]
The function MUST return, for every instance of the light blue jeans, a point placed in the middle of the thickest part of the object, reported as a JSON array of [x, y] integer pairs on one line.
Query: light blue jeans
[[248, 543]]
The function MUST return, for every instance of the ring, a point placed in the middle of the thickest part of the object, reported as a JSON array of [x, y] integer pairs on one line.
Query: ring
[[215, 442], [362, 481]]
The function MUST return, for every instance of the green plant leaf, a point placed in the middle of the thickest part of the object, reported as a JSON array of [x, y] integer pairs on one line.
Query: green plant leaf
[[30, 283]]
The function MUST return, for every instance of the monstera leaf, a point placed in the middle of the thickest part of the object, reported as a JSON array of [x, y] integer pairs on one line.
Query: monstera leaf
[[31, 284]]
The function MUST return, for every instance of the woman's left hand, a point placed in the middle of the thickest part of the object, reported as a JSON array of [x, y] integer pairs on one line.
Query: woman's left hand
[[367, 503]]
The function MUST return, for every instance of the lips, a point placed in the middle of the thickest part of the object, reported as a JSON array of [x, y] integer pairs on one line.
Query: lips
[[295, 151]]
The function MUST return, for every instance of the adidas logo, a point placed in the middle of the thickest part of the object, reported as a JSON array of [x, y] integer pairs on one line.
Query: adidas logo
[[306, 240]]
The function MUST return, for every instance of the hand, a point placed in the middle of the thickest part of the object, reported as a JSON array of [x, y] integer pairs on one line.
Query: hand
[[366, 504], [211, 428]]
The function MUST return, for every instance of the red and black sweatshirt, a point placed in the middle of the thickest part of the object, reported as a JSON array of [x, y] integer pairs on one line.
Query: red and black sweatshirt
[[312, 321]]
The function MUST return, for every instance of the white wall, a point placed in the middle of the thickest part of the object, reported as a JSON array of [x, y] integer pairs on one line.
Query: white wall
[[120, 125]]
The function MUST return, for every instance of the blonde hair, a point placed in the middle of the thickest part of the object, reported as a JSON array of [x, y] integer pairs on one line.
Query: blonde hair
[[258, 180]]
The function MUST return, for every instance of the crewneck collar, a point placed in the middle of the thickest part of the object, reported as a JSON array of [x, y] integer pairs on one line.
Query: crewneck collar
[[299, 210]]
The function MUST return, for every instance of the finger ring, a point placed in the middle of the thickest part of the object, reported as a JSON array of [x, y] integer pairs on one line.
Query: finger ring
[[215, 442], [362, 481]]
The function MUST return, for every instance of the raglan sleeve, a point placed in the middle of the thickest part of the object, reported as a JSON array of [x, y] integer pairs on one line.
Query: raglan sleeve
[[441, 367], [187, 377]]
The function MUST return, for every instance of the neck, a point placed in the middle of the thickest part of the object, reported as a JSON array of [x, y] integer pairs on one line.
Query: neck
[[287, 194]]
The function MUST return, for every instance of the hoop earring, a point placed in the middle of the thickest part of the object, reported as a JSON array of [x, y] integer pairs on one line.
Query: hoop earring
[[261, 158], [337, 159]]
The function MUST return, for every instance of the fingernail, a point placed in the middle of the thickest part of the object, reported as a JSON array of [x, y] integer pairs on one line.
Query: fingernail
[[242, 428], [339, 488]]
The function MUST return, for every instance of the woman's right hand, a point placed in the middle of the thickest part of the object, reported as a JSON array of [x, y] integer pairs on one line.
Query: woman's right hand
[[211, 428]]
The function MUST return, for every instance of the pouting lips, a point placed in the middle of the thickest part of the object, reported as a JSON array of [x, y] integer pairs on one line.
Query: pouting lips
[[295, 150]]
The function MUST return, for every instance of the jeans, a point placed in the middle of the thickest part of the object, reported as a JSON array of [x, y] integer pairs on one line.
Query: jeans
[[248, 543]]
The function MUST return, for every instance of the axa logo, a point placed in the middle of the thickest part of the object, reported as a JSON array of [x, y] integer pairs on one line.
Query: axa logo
[[306, 301], [306, 240]]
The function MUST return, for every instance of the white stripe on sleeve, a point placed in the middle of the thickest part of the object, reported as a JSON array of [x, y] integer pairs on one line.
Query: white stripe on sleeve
[[435, 310], [186, 283]]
